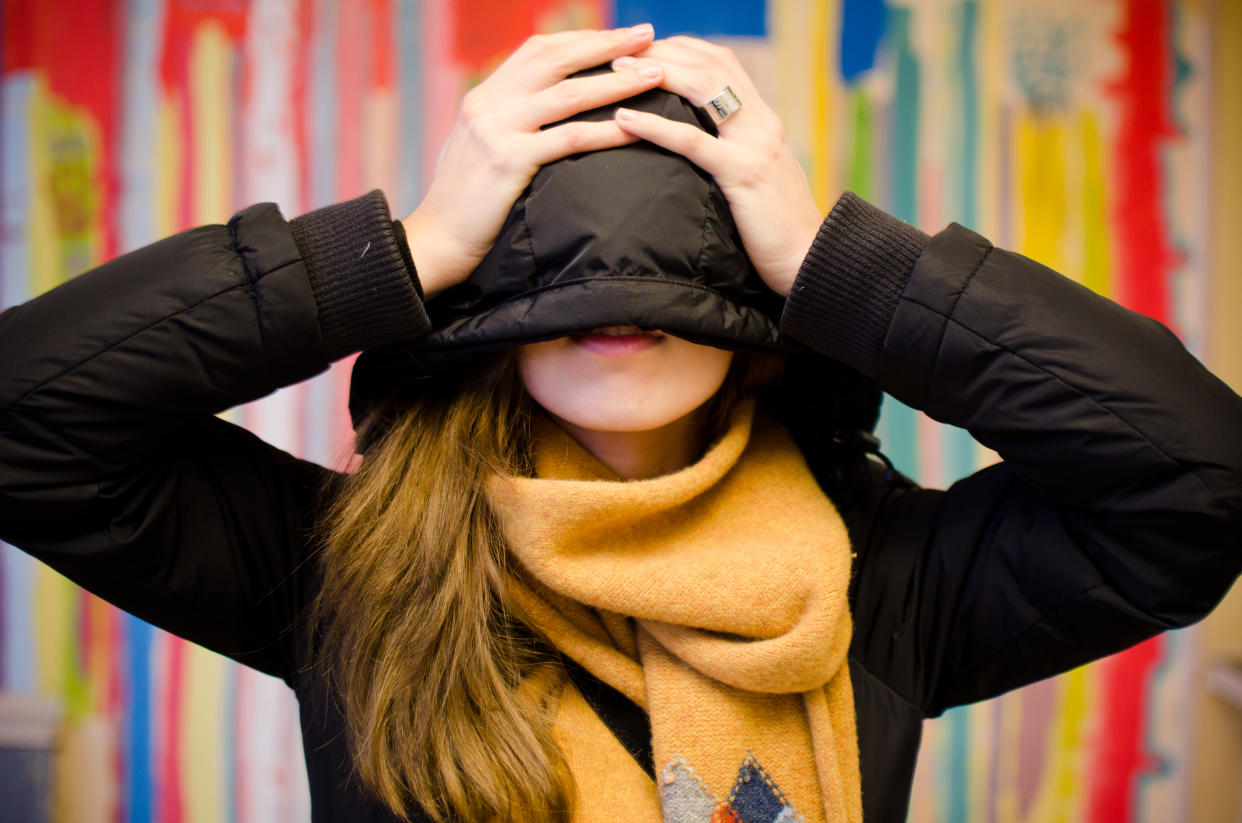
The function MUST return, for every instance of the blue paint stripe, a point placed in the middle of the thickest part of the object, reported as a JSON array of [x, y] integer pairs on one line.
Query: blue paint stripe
[[955, 725], [705, 18], [230, 741], [410, 73], [903, 150], [862, 29], [7, 623], [958, 447], [322, 142], [16, 93], [139, 128], [959, 452], [898, 433], [139, 786], [898, 422], [19, 650]]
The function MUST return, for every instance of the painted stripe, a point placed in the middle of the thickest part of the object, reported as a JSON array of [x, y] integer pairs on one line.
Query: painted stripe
[[825, 184], [170, 804], [203, 757], [139, 126], [210, 88], [1097, 259], [407, 188], [352, 38], [862, 29], [703, 18], [898, 425], [1144, 256], [16, 103], [20, 652], [323, 102], [138, 791]]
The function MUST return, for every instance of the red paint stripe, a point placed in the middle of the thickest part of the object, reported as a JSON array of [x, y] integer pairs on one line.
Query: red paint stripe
[[383, 51], [1120, 755], [75, 47], [480, 48], [18, 35], [1144, 254], [1145, 260], [170, 806]]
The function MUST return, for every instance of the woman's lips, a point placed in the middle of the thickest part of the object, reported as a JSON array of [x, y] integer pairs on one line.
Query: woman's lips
[[617, 341]]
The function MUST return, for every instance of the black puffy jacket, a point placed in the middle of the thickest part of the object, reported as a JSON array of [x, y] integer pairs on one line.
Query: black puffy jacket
[[1114, 516]]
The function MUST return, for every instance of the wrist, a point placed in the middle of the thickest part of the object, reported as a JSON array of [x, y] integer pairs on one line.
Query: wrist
[[423, 241], [850, 283]]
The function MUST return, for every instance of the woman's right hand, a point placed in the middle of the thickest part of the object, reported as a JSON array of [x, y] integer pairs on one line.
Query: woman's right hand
[[498, 143]]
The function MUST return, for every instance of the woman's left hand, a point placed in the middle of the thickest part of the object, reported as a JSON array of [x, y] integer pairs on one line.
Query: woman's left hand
[[767, 190]]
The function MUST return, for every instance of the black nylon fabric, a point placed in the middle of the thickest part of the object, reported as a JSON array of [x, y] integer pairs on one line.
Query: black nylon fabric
[[628, 236], [1116, 514]]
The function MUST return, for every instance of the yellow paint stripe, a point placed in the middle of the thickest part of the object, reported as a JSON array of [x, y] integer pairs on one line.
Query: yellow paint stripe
[[825, 182], [53, 625], [42, 219], [210, 94], [204, 736], [1061, 788], [168, 158], [1041, 190], [1097, 263]]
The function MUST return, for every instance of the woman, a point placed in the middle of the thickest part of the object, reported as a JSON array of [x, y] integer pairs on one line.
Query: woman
[[498, 626]]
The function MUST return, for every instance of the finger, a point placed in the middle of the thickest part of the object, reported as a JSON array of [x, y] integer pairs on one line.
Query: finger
[[701, 74], [579, 136], [545, 59], [578, 94], [691, 142]]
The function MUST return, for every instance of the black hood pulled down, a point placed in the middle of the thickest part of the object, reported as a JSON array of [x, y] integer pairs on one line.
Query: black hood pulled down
[[629, 236]]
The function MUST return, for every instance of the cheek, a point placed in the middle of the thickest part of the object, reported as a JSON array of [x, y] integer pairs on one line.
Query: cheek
[[622, 394]]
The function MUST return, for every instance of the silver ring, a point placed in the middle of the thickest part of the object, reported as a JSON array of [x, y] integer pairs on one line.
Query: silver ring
[[723, 106]]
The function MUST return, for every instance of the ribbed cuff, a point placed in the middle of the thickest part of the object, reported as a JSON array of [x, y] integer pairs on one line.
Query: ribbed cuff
[[365, 293], [847, 289]]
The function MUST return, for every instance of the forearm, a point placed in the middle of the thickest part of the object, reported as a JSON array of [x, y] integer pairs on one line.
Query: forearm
[[1116, 511], [198, 322], [1065, 384]]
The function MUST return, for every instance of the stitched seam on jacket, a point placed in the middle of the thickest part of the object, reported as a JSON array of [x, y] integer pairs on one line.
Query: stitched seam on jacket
[[251, 279], [707, 201], [121, 342], [952, 310], [1234, 517]]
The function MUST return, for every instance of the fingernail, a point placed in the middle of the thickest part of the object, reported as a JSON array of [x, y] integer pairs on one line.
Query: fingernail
[[625, 114], [622, 62], [642, 29], [650, 72]]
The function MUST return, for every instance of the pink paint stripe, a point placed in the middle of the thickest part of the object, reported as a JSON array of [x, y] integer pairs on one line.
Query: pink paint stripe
[[353, 40], [170, 807]]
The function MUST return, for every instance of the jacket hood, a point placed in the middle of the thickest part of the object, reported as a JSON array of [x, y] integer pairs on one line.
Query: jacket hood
[[634, 235]]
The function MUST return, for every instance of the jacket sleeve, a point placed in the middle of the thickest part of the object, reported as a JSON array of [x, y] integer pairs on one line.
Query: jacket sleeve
[[114, 469], [1116, 511]]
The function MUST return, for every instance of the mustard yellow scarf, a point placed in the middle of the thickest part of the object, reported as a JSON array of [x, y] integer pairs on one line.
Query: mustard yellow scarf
[[714, 597]]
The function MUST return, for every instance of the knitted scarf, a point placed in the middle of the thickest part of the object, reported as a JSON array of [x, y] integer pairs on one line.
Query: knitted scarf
[[716, 598]]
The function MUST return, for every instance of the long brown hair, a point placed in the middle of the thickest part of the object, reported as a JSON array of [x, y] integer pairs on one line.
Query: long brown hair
[[440, 693]]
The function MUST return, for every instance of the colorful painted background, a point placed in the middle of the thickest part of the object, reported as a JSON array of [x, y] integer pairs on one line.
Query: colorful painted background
[[1074, 131]]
